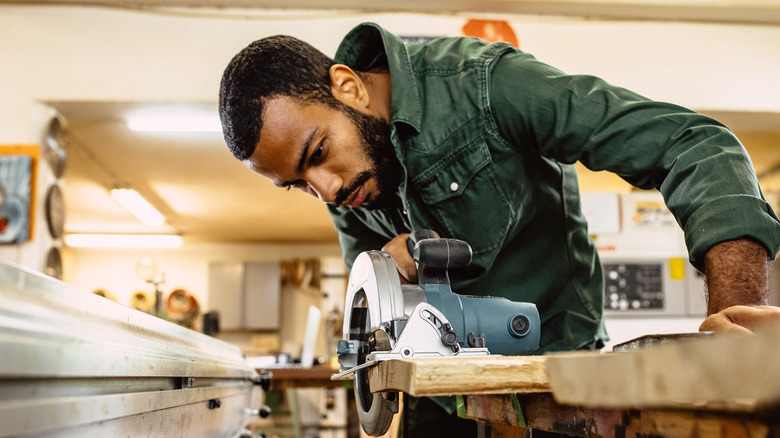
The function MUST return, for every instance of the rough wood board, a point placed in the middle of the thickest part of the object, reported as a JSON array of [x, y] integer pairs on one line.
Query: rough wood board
[[728, 372], [461, 375], [541, 412]]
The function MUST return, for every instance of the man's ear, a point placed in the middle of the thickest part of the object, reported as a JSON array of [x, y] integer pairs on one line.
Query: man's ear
[[347, 87]]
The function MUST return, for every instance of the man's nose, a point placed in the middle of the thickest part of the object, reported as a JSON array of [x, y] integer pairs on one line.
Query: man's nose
[[324, 185]]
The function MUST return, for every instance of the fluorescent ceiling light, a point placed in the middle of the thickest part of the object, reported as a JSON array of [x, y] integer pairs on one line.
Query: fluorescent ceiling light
[[123, 240], [138, 206], [174, 119]]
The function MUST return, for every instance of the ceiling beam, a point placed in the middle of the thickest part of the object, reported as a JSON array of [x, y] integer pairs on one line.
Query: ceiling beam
[[719, 11]]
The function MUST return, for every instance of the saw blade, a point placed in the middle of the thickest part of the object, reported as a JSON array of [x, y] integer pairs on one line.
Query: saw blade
[[375, 299], [375, 409]]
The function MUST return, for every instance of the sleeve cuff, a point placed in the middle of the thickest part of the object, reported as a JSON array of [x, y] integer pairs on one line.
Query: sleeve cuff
[[729, 218]]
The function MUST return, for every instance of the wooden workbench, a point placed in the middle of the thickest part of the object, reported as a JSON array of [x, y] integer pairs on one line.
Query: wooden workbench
[[300, 377], [717, 386]]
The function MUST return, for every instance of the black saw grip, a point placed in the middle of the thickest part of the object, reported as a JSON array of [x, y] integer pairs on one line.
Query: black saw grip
[[432, 252]]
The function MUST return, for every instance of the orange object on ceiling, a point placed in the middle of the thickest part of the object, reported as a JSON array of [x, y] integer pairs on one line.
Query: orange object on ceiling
[[491, 30]]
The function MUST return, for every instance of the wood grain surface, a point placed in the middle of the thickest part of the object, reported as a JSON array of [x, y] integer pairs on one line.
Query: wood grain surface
[[721, 372], [463, 376]]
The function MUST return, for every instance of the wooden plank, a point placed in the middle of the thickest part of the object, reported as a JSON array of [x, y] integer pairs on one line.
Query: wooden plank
[[724, 372], [541, 412], [314, 377], [461, 375]]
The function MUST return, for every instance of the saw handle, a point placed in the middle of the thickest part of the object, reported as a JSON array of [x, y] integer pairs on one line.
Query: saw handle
[[438, 253], [416, 236]]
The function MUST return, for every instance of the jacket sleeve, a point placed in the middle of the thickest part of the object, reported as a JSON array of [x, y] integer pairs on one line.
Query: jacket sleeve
[[700, 167]]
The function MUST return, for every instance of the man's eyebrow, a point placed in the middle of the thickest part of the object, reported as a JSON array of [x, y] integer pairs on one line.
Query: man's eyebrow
[[302, 160], [306, 146]]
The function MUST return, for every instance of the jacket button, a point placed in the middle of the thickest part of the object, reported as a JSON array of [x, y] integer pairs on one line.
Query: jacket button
[[454, 187]]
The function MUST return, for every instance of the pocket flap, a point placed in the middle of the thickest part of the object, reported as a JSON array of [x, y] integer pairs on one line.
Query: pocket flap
[[451, 176]]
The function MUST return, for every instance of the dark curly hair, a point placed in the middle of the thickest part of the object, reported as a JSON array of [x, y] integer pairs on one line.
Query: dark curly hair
[[275, 66]]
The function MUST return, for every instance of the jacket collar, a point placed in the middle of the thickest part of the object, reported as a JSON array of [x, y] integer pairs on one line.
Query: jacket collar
[[366, 43]]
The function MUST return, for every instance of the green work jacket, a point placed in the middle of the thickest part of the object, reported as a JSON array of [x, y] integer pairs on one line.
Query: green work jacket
[[488, 137]]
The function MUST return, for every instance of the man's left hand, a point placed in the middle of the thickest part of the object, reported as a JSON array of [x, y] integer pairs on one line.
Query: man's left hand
[[741, 319]]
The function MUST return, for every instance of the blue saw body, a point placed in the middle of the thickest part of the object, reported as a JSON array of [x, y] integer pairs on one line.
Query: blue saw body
[[509, 327]]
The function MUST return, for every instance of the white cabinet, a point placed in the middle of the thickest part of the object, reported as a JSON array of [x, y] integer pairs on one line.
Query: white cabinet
[[246, 294]]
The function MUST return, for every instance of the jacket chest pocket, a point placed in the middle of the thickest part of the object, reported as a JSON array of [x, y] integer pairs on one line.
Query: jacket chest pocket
[[463, 194]]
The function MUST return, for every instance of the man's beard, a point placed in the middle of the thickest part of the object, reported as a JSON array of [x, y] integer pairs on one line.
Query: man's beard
[[385, 166]]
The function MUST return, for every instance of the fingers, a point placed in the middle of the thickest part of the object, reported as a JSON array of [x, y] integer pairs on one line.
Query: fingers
[[400, 254], [399, 251], [744, 319], [719, 323]]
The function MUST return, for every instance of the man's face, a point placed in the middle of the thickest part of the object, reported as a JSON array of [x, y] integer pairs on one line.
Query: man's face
[[342, 156]]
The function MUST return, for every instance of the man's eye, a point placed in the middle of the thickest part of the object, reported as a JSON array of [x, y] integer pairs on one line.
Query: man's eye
[[316, 155], [294, 185]]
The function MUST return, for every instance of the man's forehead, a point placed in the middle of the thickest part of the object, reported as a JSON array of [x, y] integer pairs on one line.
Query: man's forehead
[[280, 107]]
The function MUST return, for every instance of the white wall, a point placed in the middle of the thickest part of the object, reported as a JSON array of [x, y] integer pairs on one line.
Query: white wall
[[77, 53], [80, 53]]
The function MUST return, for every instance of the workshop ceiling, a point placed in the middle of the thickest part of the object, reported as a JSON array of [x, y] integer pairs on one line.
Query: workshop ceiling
[[723, 11]]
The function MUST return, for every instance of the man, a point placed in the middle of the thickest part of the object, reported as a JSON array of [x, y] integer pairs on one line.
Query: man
[[476, 141]]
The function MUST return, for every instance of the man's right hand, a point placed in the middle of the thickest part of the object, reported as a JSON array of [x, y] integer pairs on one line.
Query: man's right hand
[[398, 250], [400, 254]]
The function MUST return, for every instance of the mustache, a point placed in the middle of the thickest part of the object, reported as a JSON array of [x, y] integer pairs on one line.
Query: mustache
[[344, 192]]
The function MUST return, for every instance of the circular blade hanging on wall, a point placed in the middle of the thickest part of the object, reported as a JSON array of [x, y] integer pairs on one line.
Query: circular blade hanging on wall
[[55, 211], [54, 150], [53, 263]]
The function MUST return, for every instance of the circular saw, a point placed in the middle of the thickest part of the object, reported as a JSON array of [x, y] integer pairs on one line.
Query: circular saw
[[387, 320]]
